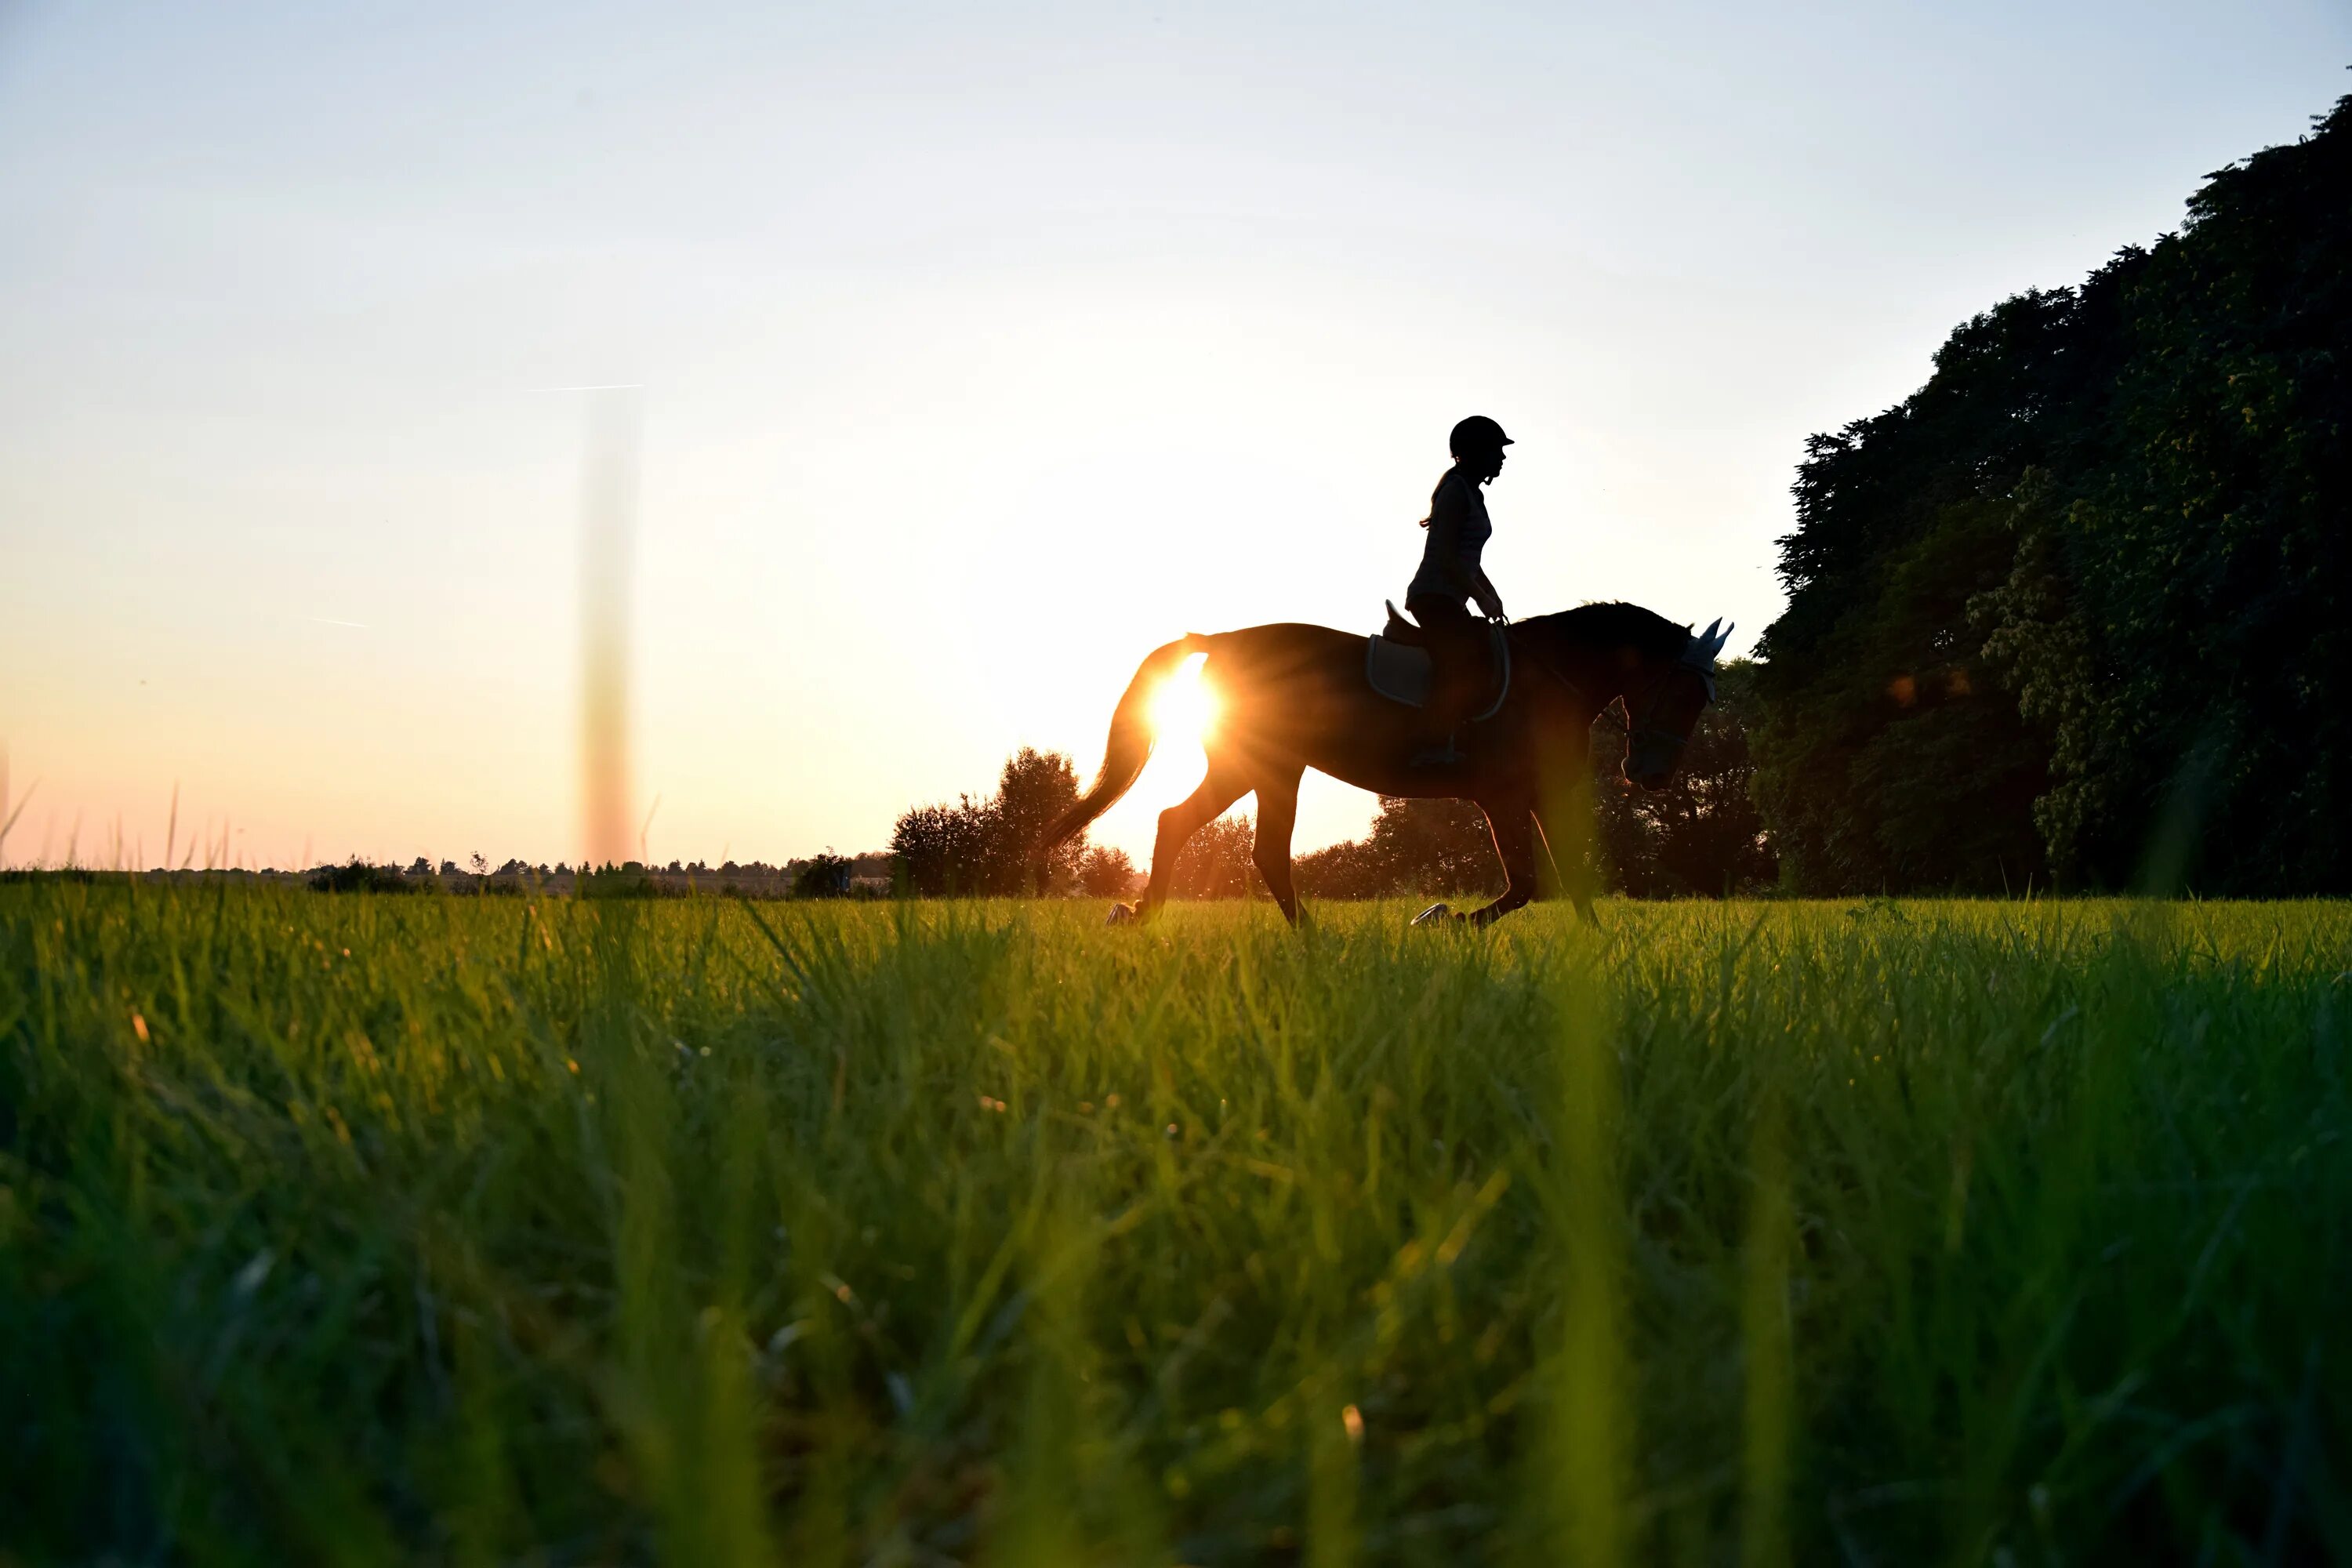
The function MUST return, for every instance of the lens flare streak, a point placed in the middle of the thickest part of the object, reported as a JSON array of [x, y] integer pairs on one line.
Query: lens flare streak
[[1184, 709]]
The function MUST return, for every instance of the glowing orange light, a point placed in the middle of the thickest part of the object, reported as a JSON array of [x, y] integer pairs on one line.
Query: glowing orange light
[[1184, 708]]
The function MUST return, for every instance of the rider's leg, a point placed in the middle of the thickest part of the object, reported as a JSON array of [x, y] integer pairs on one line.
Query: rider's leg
[[1453, 667]]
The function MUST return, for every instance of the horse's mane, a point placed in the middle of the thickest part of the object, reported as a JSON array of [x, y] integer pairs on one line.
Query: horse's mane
[[1609, 625]]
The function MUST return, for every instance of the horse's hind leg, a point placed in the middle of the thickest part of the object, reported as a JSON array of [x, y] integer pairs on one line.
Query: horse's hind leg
[[1224, 786], [1277, 811]]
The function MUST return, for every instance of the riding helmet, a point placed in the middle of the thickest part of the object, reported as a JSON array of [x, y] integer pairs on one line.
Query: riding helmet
[[1476, 433]]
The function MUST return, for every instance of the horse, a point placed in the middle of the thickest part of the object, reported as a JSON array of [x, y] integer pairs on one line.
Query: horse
[[1292, 696]]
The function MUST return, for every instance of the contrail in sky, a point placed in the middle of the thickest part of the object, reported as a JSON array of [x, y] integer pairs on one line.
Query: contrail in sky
[[359, 625]]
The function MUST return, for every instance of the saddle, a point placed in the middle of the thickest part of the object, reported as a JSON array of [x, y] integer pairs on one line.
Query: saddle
[[1396, 664]]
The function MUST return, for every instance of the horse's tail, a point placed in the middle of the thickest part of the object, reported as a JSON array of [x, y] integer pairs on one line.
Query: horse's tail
[[1129, 746]]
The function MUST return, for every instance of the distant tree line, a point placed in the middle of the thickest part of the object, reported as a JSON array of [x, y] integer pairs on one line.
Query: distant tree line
[[824, 875], [2079, 608]]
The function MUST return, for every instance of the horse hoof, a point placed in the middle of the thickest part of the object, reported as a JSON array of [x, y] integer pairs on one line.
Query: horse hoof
[[1121, 914], [1436, 914]]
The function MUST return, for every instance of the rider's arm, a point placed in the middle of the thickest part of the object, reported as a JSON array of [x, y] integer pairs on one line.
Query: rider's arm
[[1488, 600]]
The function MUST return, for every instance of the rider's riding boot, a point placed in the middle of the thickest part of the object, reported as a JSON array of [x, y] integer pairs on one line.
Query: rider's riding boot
[[1441, 721]]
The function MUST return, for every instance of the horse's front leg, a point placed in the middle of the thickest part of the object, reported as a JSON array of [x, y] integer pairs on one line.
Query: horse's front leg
[[1565, 819], [1512, 824]]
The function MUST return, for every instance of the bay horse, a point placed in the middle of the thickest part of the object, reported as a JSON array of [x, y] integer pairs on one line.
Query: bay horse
[[1292, 696]]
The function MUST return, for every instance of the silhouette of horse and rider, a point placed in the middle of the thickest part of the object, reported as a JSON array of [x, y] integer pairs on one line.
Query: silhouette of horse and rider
[[1484, 709]]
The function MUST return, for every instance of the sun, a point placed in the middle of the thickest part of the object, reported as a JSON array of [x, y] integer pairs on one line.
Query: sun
[[1184, 709]]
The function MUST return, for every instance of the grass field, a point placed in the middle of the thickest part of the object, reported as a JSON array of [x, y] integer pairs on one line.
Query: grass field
[[428, 1229]]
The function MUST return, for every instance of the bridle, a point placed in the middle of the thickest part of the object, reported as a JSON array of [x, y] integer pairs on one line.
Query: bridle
[[1646, 727]]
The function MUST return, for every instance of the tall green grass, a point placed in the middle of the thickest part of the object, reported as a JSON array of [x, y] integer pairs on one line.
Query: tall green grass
[[348, 1229]]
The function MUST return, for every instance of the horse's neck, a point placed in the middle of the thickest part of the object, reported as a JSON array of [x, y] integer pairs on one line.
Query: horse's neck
[[1595, 674]]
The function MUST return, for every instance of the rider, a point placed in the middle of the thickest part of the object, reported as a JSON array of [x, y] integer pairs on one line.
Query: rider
[[1450, 573]]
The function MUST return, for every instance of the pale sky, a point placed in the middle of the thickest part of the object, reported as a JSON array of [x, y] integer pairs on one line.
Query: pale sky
[[983, 349]]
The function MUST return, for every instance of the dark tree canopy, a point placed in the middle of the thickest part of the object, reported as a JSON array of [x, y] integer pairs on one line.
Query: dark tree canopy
[[2074, 607], [1105, 872], [824, 875]]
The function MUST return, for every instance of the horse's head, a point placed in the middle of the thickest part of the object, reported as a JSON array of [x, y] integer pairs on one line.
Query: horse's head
[[1597, 654], [1663, 705]]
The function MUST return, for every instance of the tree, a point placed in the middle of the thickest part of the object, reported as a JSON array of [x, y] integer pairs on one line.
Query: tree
[[1215, 862], [1421, 846], [2179, 604], [1434, 847], [2075, 607], [359, 876], [1877, 709], [824, 875], [1348, 869], [1104, 872], [946, 849], [1034, 788], [984, 846]]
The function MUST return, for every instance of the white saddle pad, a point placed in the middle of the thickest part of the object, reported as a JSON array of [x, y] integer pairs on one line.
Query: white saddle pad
[[1401, 674]]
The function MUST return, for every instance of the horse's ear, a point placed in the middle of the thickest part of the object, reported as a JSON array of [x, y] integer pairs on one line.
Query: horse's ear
[[1720, 638]]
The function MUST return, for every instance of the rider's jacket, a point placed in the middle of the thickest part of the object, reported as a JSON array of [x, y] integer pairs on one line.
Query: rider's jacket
[[1458, 530]]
